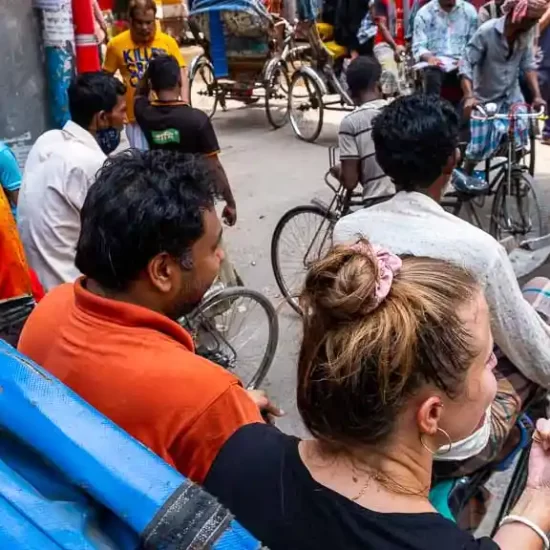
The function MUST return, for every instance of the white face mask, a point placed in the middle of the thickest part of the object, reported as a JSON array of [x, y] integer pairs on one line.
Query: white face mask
[[469, 447]]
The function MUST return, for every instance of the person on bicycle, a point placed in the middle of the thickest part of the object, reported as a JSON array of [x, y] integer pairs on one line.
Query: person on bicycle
[[442, 28], [171, 124], [148, 250], [395, 366], [416, 140], [358, 163], [499, 51]]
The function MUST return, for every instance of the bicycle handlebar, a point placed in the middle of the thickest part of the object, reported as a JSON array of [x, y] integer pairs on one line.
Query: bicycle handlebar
[[511, 115]]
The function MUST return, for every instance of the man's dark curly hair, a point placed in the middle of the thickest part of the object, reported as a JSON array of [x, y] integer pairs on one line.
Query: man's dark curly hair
[[142, 204], [414, 137]]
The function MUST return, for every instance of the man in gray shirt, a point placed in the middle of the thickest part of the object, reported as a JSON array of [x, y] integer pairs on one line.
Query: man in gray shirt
[[497, 53], [354, 136]]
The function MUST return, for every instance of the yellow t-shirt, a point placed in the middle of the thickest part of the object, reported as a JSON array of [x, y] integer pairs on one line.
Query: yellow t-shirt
[[131, 59]]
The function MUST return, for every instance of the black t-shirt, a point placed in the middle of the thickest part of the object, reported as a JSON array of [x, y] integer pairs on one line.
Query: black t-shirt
[[175, 126], [260, 477]]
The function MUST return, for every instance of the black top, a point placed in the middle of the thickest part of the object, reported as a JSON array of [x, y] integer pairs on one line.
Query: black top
[[175, 126], [260, 477]]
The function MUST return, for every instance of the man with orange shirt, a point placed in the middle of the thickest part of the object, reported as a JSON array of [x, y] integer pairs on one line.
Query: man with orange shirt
[[130, 53], [149, 250]]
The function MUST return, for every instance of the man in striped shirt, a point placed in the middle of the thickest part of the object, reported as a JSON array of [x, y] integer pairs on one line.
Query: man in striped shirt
[[354, 137]]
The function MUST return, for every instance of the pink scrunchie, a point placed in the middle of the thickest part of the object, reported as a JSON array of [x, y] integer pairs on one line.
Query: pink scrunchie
[[388, 266]]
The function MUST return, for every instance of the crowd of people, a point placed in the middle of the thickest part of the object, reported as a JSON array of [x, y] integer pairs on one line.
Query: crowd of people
[[419, 349]]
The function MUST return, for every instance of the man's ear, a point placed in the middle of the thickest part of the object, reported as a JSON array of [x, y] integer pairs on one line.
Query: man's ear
[[452, 161]]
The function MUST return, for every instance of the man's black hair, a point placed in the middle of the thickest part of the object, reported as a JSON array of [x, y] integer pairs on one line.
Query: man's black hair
[[141, 204], [90, 93], [164, 73], [141, 5], [414, 137], [362, 75]]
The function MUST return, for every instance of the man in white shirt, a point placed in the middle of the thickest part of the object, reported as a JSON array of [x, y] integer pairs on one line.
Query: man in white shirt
[[416, 141], [60, 169]]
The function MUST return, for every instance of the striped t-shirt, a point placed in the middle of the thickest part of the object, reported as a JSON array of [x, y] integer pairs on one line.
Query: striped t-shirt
[[355, 142]]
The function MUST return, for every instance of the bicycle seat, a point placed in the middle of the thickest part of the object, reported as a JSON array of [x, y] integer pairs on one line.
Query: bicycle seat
[[325, 30], [468, 185]]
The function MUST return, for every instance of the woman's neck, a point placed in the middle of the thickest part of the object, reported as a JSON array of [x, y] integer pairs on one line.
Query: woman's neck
[[397, 480]]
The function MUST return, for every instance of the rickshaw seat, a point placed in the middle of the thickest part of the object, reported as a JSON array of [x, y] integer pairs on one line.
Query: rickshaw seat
[[326, 31], [335, 49], [70, 478]]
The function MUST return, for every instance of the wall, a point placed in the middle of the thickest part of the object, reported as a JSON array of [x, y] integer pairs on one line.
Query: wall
[[23, 105]]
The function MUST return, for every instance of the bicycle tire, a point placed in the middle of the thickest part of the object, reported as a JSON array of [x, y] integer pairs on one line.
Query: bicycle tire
[[499, 207], [270, 90], [314, 91], [203, 64], [288, 293], [228, 294]]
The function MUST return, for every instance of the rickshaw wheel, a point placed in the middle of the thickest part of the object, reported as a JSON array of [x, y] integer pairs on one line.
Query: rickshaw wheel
[[277, 84], [203, 87], [306, 106]]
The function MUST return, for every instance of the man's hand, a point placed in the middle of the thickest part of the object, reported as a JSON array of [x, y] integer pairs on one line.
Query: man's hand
[[267, 408], [399, 53], [470, 103], [538, 103], [229, 214], [434, 61]]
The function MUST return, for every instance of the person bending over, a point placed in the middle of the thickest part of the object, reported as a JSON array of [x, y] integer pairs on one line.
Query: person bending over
[[148, 250], [416, 141], [395, 365], [499, 51], [358, 162]]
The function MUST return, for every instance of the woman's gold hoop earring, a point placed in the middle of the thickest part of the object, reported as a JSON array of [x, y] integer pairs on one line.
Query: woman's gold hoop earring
[[440, 452]]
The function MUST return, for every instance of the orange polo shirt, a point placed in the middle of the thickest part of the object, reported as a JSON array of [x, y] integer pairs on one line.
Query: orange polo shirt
[[139, 369]]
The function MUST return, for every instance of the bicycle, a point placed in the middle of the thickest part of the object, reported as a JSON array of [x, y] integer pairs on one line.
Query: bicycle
[[237, 328], [319, 220], [512, 185]]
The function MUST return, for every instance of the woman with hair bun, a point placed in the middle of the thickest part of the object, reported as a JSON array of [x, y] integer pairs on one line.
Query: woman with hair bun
[[395, 367]]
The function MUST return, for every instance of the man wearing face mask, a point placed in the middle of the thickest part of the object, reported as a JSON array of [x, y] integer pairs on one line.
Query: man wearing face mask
[[60, 169]]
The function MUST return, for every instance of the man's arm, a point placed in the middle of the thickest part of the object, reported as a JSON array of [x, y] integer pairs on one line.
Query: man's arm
[[10, 176], [111, 65], [420, 38], [381, 19], [473, 55], [544, 21], [196, 448], [209, 147], [350, 173], [518, 330]]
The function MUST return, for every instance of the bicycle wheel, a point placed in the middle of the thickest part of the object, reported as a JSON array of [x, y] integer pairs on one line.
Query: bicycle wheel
[[238, 329], [303, 235], [306, 106], [276, 95], [203, 87], [519, 212]]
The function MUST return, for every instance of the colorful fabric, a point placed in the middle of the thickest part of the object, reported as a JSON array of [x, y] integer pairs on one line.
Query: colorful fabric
[[486, 136], [132, 60], [442, 33], [367, 29], [14, 272], [10, 175], [520, 9]]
